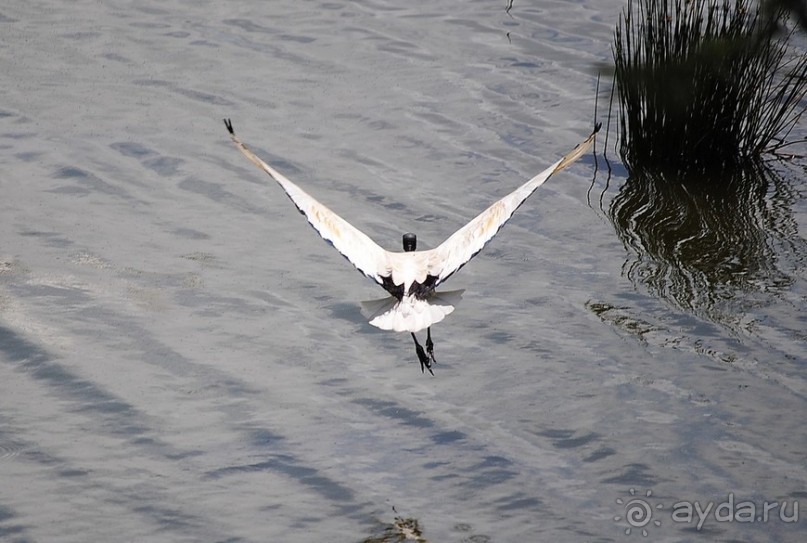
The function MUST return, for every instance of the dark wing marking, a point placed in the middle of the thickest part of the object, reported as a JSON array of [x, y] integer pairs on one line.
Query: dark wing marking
[[397, 291], [423, 290]]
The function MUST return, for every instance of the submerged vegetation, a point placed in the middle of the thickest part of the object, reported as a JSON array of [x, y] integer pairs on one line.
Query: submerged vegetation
[[704, 85], [401, 530]]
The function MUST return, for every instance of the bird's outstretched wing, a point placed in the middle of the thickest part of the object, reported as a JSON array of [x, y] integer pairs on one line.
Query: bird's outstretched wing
[[357, 247], [466, 242]]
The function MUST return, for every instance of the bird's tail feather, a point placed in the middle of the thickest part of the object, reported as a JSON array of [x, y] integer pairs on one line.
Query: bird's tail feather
[[373, 308], [410, 314]]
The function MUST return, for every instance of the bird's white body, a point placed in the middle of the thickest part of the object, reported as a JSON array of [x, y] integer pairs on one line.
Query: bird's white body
[[410, 277]]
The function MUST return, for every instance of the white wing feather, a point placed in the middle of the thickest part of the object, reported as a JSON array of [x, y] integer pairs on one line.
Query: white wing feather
[[466, 242], [367, 256], [441, 262]]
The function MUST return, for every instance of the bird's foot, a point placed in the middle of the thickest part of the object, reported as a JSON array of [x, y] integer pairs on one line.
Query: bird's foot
[[430, 349], [425, 361]]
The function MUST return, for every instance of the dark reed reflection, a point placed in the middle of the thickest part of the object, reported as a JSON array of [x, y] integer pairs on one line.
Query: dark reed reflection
[[711, 247]]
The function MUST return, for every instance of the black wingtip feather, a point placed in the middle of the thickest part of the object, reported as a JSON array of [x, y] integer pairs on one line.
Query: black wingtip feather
[[228, 123]]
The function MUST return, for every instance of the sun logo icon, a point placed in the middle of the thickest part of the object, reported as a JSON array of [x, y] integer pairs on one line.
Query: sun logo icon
[[638, 512]]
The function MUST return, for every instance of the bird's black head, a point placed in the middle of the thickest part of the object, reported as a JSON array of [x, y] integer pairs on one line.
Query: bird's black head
[[410, 242]]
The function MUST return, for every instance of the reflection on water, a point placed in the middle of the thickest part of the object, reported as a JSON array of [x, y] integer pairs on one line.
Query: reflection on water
[[717, 248]]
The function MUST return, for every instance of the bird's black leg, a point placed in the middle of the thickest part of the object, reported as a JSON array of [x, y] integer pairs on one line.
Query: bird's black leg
[[425, 361], [430, 344]]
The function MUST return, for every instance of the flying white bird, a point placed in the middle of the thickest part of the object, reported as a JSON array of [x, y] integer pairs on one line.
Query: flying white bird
[[410, 276]]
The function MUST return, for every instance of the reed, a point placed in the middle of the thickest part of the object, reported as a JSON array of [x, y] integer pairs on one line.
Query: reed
[[703, 86]]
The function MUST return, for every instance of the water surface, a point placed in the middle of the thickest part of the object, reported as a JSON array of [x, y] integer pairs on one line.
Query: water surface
[[182, 359]]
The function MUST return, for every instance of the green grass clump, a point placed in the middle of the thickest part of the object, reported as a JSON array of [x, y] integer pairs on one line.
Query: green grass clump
[[703, 85]]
